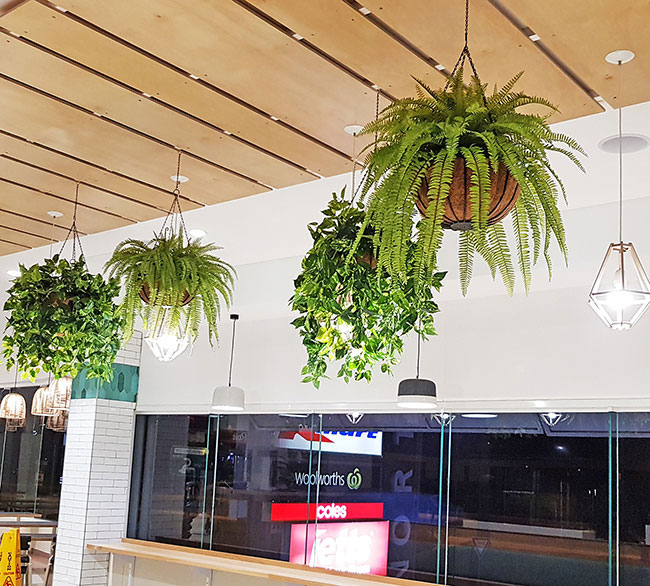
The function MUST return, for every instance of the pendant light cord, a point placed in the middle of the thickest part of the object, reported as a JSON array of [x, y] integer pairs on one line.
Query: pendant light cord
[[620, 154], [234, 317], [364, 175], [417, 366]]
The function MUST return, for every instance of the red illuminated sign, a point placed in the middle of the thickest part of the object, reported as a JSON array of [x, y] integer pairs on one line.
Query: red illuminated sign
[[359, 548], [326, 511]]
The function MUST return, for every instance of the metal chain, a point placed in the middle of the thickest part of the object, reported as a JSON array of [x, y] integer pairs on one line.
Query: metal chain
[[175, 214], [76, 240], [465, 53]]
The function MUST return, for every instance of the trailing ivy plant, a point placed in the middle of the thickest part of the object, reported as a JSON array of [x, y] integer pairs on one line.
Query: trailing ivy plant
[[350, 310], [61, 319], [418, 142], [172, 282]]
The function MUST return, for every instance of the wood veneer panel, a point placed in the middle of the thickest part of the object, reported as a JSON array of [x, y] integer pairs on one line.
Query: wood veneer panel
[[43, 120], [71, 167], [244, 565], [499, 50], [25, 224], [75, 85], [344, 33], [229, 47], [27, 202], [29, 240], [54, 31], [582, 33], [9, 247], [43, 181]]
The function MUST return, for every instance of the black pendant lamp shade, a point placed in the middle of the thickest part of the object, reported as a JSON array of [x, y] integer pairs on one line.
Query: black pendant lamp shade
[[417, 393]]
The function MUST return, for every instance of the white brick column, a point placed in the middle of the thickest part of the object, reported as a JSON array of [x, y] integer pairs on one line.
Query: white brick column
[[96, 480]]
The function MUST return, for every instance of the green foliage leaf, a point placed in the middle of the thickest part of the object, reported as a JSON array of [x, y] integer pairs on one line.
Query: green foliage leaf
[[419, 139], [62, 319], [351, 311], [172, 270]]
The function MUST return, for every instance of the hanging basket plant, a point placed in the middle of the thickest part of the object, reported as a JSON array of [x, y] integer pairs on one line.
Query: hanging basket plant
[[350, 310], [172, 283], [61, 319], [465, 160]]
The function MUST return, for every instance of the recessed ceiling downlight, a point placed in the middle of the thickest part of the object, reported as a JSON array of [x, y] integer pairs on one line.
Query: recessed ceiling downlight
[[479, 415], [197, 233], [179, 178], [630, 143], [13, 273]]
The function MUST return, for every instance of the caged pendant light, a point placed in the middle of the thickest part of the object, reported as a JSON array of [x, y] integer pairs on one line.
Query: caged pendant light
[[621, 292], [43, 402]]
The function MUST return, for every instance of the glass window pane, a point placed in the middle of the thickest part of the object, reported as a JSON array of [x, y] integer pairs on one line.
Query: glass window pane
[[529, 501], [263, 485], [173, 480]]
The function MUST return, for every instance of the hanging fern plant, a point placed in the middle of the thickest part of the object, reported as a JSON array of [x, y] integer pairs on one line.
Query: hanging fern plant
[[61, 319], [350, 310], [464, 160], [172, 283]]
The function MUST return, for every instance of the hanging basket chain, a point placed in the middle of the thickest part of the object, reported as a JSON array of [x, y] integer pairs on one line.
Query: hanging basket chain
[[174, 220], [465, 54], [76, 240], [356, 191]]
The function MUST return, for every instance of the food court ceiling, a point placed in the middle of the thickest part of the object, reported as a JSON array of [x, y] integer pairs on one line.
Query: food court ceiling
[[255, 93]]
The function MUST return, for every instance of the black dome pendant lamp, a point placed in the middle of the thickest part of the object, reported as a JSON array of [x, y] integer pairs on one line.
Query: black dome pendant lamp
[[417, 393]]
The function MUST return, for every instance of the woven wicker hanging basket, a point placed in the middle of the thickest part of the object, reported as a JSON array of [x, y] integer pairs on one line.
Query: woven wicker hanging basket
[[504, 193]]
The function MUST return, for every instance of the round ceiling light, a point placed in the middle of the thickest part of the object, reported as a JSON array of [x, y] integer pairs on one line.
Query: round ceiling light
[[179, 178], [13, 273], [621, 56], [197, 233], [630, 143], [54, 214], [353, 129]]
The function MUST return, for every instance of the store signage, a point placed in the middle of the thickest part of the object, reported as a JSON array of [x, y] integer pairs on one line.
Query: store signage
[[343, 442], [359, 548], [326, 511], [353, 480]]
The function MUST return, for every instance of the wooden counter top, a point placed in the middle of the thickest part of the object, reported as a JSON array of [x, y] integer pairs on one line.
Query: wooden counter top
[[245, 565]]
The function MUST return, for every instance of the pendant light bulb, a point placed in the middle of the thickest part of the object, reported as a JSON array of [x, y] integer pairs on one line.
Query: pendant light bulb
[[620, 294], [229, 399]]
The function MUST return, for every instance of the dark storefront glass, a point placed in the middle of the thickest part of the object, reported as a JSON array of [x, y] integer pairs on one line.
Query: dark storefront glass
[[31, 465], [510, 499], [531, 501]]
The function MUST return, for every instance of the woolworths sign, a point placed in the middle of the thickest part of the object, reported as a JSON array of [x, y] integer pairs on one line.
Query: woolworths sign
[[353, 480]]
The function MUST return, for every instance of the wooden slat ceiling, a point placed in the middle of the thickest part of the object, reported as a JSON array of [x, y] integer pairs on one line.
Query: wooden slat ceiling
[[254, 92]]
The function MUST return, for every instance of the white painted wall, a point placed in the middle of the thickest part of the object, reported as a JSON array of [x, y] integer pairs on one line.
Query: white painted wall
[[543, 351]]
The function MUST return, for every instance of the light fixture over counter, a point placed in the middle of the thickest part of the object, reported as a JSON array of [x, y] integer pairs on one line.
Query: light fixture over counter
[[229, 399], [620, 294]]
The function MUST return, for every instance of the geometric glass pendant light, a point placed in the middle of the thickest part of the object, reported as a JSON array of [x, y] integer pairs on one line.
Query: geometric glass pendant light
[[620, 294], [166, 344], [229, 398]]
